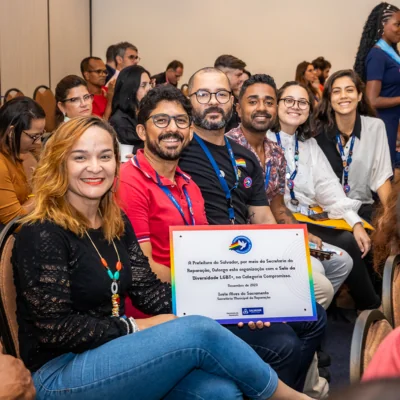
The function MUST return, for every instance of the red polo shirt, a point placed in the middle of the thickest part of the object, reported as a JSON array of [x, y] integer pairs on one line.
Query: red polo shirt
[[150, 210], [99, 104]]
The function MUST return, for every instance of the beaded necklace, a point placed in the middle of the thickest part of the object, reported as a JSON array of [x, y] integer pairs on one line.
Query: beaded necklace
[[115, 299]]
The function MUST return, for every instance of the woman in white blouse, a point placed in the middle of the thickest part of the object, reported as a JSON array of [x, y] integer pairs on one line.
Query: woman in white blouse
[[354, 142], [310, 181]]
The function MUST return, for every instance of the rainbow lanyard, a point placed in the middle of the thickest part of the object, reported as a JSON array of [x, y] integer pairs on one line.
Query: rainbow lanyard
[[346, 160], [169, 194], [290, 176]]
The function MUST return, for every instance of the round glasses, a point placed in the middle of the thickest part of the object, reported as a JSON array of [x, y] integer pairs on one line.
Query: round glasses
[[204, 96], [290, 102], [77, 100], [163, 120]]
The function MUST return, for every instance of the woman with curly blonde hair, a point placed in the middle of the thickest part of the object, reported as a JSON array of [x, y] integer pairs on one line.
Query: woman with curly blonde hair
[[386, 237], [75, 257]]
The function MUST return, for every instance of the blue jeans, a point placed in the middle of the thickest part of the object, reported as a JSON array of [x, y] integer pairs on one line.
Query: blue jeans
[[287, 348], [188, 358]]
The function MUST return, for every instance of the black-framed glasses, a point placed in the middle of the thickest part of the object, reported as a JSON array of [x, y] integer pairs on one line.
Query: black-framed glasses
[[133, 57], [290, 102], [77, 100], [35, 137], [99, 71], [163, 120], [204, 96]]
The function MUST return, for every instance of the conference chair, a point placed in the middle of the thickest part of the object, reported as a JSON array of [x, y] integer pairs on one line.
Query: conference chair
[[11, 94], [391, 290], [45, 97], [8, 306], [370, 330]]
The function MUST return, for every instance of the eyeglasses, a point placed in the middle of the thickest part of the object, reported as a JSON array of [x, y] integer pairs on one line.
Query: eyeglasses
[[100, 71], [290, 102], [132, 57], [163, 120], [35, 137], [204, 96], [77, 100]]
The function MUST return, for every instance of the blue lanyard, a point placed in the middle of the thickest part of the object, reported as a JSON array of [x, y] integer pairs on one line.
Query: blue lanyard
[[267, 175], [222, 180], [167, 191], [346, 161], [290, 177]]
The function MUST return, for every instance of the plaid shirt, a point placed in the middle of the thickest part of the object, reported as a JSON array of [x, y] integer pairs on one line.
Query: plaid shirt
[[273, 155]]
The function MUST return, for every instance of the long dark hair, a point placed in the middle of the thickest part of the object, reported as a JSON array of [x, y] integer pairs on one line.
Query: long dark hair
[[325, 114], [372, 32], [15, 117], [62, 89], [126, 88], [306, 130], [300, 77]]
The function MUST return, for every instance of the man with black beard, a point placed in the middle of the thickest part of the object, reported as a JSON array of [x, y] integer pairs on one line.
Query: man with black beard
[[155, 193], [232, 183]]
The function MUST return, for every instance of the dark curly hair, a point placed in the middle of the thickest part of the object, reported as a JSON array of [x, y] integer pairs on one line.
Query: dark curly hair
[[306, 130], [325, 114], [258, 78], [372, 32], [159, 94]]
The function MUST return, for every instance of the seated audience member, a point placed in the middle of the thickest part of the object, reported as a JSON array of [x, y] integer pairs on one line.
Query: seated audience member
[[73, 99], [94, 72], [172, 74], [110, 62], [257, 110], [383, 389], [22, 123], [386, 236], [378, 63], [211, 157], [78, 250], [132, 85], [15, 380], [164, 126], [311, 182], [354, 142], [386, 361], [322, 68], [125, 55], [233, 67], [305, 74]]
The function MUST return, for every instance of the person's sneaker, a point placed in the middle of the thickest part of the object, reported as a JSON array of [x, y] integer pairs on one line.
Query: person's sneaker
[[324, 373], [324, 360]]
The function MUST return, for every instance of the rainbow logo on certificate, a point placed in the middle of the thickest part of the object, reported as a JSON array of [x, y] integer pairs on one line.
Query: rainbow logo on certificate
[[242, 271]]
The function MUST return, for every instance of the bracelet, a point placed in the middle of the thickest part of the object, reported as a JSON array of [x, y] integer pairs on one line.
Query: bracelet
[[134, 325], [127, 325]]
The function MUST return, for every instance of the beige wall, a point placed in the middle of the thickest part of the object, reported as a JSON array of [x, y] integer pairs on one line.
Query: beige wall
[[272, 36], [25, 29]]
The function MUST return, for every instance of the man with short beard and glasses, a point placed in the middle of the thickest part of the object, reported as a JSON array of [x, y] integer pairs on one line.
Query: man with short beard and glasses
[[155, 192], [232, 184]]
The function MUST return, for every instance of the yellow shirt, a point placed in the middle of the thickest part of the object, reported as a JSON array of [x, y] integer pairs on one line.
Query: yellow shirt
[[14, 188]]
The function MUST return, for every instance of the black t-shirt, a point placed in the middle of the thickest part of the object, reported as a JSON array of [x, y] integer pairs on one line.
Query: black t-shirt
[[250, 191]]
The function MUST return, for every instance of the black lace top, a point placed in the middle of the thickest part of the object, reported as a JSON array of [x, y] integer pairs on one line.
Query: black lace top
[[64, 292]]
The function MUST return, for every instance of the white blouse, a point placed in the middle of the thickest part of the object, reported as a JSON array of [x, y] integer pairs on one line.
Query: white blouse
[[371, 166], [315, 182]]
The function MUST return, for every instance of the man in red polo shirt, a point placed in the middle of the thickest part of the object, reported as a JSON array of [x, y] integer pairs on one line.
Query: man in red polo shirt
[[94, 72], [154, 191]]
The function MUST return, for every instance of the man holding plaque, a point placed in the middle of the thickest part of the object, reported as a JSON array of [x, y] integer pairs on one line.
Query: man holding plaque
[[152, 211]]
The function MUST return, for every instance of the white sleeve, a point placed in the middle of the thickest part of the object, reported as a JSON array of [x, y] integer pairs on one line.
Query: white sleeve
[[329, 192], [382, 165]]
